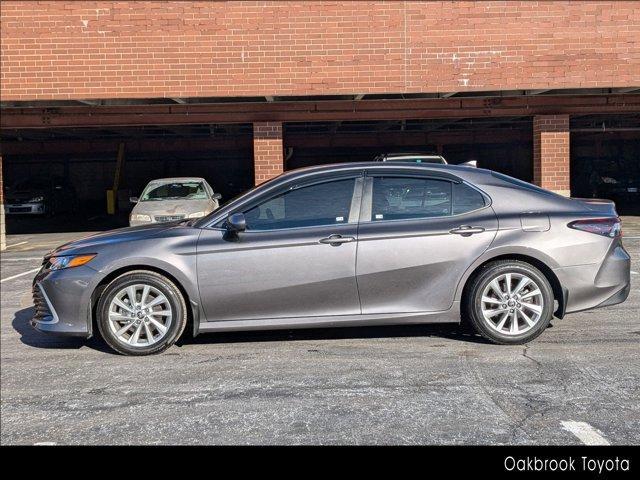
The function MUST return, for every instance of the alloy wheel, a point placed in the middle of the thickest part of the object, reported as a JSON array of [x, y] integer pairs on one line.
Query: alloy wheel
[[140, 315], [512, 303]]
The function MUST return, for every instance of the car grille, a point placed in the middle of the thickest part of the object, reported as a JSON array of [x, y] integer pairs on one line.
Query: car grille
[[42, 313], [168, 218]]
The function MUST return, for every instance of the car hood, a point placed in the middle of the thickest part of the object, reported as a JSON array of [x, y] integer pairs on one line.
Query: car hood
[[93, 242], [24, 193], [172, 207]]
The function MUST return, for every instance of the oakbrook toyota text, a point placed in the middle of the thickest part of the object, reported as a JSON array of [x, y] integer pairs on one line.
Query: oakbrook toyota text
[[568, 464]]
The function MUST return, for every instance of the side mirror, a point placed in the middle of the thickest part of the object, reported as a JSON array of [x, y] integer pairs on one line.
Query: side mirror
[[236, 222], [133, 199], [216, 196]]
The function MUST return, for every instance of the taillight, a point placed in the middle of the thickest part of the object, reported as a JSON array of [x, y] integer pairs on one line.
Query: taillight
[[609, 227]]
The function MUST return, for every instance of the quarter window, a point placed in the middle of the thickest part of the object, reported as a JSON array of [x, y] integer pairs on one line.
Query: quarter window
[[320, 204], [466, 199]]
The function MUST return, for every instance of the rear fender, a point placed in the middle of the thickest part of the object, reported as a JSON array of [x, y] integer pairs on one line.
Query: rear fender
[[501, 252]]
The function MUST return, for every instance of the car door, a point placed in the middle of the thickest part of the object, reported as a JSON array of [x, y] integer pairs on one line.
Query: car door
[[417, 236], [295, 259]]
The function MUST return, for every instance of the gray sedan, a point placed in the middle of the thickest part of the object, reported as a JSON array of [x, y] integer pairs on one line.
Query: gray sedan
[[344, 245]]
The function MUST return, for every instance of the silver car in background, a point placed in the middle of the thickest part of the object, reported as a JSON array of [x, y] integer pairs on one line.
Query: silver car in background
[[417, 157], [411, 157], [374, 243], [170, 199]]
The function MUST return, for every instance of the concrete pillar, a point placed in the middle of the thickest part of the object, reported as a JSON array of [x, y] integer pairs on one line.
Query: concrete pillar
[[551, 153], [3, 242], [268, 151]]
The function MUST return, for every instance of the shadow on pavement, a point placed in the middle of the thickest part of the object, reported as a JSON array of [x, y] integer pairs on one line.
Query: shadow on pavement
[[453, 332], [33, 338], [18, 225]]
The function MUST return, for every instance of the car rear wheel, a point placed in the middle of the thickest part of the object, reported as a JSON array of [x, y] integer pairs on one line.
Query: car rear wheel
[[509, 302], [141, 313]]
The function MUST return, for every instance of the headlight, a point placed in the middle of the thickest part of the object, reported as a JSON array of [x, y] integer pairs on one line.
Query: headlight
[[141, 218], [36, 200], [196, 215], [69, 261]]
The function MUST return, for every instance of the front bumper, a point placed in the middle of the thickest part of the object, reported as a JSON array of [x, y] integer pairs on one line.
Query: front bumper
[[598, 284], [62, 301], [157, 219], [24, 208]]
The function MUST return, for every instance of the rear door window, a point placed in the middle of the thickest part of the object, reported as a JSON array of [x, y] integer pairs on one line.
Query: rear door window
[[404, 198], [398, 198]]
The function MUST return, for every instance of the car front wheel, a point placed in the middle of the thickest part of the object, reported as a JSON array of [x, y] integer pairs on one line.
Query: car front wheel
[[141, 313], [509, 302]]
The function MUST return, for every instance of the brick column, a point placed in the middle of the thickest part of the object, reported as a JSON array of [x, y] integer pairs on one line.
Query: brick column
[[268, 153], [551, 153], [3, 243]]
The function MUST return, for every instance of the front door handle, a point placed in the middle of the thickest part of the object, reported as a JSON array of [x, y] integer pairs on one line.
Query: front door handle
[[337, 240], [466, 230]]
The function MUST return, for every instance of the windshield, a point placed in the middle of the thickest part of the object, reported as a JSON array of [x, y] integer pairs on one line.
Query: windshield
[[174, 191]]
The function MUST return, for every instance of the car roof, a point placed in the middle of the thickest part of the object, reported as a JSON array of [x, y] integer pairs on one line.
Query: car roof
[[411, 154], [460, 170], [177, 179]]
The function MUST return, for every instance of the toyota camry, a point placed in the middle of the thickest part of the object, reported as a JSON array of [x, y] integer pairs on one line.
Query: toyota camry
[[344, 245]]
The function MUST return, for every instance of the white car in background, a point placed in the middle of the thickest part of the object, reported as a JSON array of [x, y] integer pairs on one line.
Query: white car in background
[[417, 157], [411, 157], [171, 199]]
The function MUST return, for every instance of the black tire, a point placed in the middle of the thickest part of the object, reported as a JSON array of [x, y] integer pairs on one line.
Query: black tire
[[166, 287], [472, 306]]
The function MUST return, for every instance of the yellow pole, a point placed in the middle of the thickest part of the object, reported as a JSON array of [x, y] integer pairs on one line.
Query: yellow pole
[[112, 195]]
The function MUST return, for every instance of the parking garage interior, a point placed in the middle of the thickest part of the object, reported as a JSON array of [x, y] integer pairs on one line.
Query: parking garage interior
[[605, 156], [86, 159]]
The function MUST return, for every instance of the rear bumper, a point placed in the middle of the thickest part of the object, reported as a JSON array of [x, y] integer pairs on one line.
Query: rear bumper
[[598, 284]]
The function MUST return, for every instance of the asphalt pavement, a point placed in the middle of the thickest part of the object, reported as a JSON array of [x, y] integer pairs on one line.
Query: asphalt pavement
[[578, 383]]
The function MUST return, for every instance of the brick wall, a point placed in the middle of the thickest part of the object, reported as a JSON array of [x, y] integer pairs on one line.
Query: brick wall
[[99, 49], [268, 160], [551, 153]]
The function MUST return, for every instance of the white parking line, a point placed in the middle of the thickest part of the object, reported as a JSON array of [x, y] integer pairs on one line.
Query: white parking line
[[21, 259], [630, 238], [585, 433], [19, 275], [16, 244], [635, 273]]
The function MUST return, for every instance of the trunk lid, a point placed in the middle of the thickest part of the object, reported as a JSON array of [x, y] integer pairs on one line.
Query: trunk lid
[[600, 206]]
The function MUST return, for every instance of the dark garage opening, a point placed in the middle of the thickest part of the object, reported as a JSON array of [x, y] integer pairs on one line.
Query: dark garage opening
[[503, 144], [86, 158], [605, 159]]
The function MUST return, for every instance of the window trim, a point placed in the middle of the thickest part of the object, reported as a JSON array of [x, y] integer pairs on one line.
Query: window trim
[[367, 201], [354, 206]]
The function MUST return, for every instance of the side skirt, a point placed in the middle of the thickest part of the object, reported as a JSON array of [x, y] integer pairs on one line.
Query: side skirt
[[447, 316]]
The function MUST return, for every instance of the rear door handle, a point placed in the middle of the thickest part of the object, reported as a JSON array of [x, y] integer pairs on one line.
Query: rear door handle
[[466, 230], [336, 240]]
